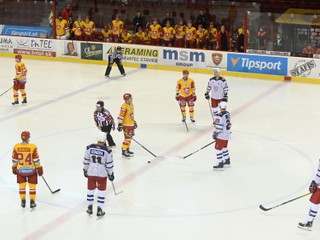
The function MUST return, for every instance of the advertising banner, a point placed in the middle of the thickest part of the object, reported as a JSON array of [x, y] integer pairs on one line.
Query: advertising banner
[[6, 44], [190, 58], [90, 50], [216, 59], [34, 46], [135, 53], [304, 67], [70, 49], [257, 64], [26, 31]]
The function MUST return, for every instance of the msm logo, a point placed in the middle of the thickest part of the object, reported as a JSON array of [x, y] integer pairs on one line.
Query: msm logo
[[184, 55]]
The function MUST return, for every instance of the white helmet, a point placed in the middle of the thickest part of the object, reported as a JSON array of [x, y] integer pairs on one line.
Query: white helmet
[[216, 70], [102, 137], [223, 105]]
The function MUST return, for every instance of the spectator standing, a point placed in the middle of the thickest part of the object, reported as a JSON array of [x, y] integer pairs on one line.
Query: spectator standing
[[166, 19], [223, 38], [201, 19], [138, 21], [66, 12]]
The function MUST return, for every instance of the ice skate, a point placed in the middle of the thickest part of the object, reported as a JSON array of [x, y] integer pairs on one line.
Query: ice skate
[[100, 213], [305, 225], [123, 74], [130, 153], [32, 204], [218, 167], [125, 154], [15, 102], [183, 119], [89, 210], [24, 101], [23, 203], [192, 119], [227, 163]]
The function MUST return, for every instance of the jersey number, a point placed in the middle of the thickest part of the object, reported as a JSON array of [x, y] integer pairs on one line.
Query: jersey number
[[96, 159], [228, 123], [27, 159]]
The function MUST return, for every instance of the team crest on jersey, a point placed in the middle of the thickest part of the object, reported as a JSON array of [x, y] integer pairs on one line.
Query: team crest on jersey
[[216, 58]]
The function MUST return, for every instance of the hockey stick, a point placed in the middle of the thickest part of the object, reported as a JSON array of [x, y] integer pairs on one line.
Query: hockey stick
[[114, 189], [185, 123], [53, 192], [145, 148], [210, 110], [198, 149], [5, 91], [291, 200]]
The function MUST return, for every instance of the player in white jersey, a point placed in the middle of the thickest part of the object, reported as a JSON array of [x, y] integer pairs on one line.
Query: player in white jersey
[[222, 135], [219, 89], [314, 202], [97, 167]]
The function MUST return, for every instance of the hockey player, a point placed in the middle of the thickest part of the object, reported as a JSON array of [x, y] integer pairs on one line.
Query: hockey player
[[116, 29], [115, 57], [97, 167], [26, 166], [185, 94], [155, 32], [20, 80], [314, 202], [127, 123], [222, 134], [219, 91], [104, 121]]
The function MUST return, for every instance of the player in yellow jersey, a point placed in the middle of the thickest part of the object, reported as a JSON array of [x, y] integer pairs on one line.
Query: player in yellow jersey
[[138, 36], [202, 37], [106, 33], [116, 29], [168, 34], [77, 29], [26, 166], [19, 82], [212, 39], [190, 35], [127, 123], [146, 37], [62, 28], [155, 33], [186, 94], [89, 28], [180, 34], [126, 37]]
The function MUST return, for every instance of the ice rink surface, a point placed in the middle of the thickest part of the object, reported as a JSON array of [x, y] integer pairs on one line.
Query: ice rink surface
[[274, 155]]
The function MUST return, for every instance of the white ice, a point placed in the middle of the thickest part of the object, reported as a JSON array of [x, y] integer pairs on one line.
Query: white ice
[[274, 155]]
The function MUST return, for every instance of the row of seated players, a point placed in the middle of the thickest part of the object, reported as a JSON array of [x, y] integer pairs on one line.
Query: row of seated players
[[179, 35]]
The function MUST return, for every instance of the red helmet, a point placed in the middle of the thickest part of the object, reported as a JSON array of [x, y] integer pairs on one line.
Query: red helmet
[[127, 96], [25, 136], [18, 56], [155, 19], [185, 72], [118, 16]]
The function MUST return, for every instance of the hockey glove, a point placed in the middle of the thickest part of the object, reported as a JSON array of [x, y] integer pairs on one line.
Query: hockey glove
[[194, 97], [40, 171], [313, 187], [119, 128], [177, 97], [225, 97], [85, 173], [111, 177], [214, 135], [206, 95], [135, 125], [14, 170]]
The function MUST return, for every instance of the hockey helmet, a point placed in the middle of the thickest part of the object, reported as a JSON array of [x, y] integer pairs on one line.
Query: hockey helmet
[[223, 105], [100, 104], [119, 49], [185, 72], [25, 136], [127, 96], [18, 56], [216, 70], [102, 137]]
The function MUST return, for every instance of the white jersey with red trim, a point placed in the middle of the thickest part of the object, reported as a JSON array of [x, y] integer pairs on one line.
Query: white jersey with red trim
[[218, 87], [223, 125]]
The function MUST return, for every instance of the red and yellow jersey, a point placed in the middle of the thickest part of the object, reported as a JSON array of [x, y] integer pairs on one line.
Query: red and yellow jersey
[[89, 27], [190, 33], [61, 27], [21, 71], [213, 34], [138, 36], [180, 32], [77, 28], [155, 31], [202, 34], [126, 38], [126, 116], [106, 34], [185, 88], [25, 158], [168, 33], [146, 36], [116, 27]]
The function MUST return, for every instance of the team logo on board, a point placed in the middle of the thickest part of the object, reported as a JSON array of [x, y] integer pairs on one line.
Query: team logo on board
[[216, 58]]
